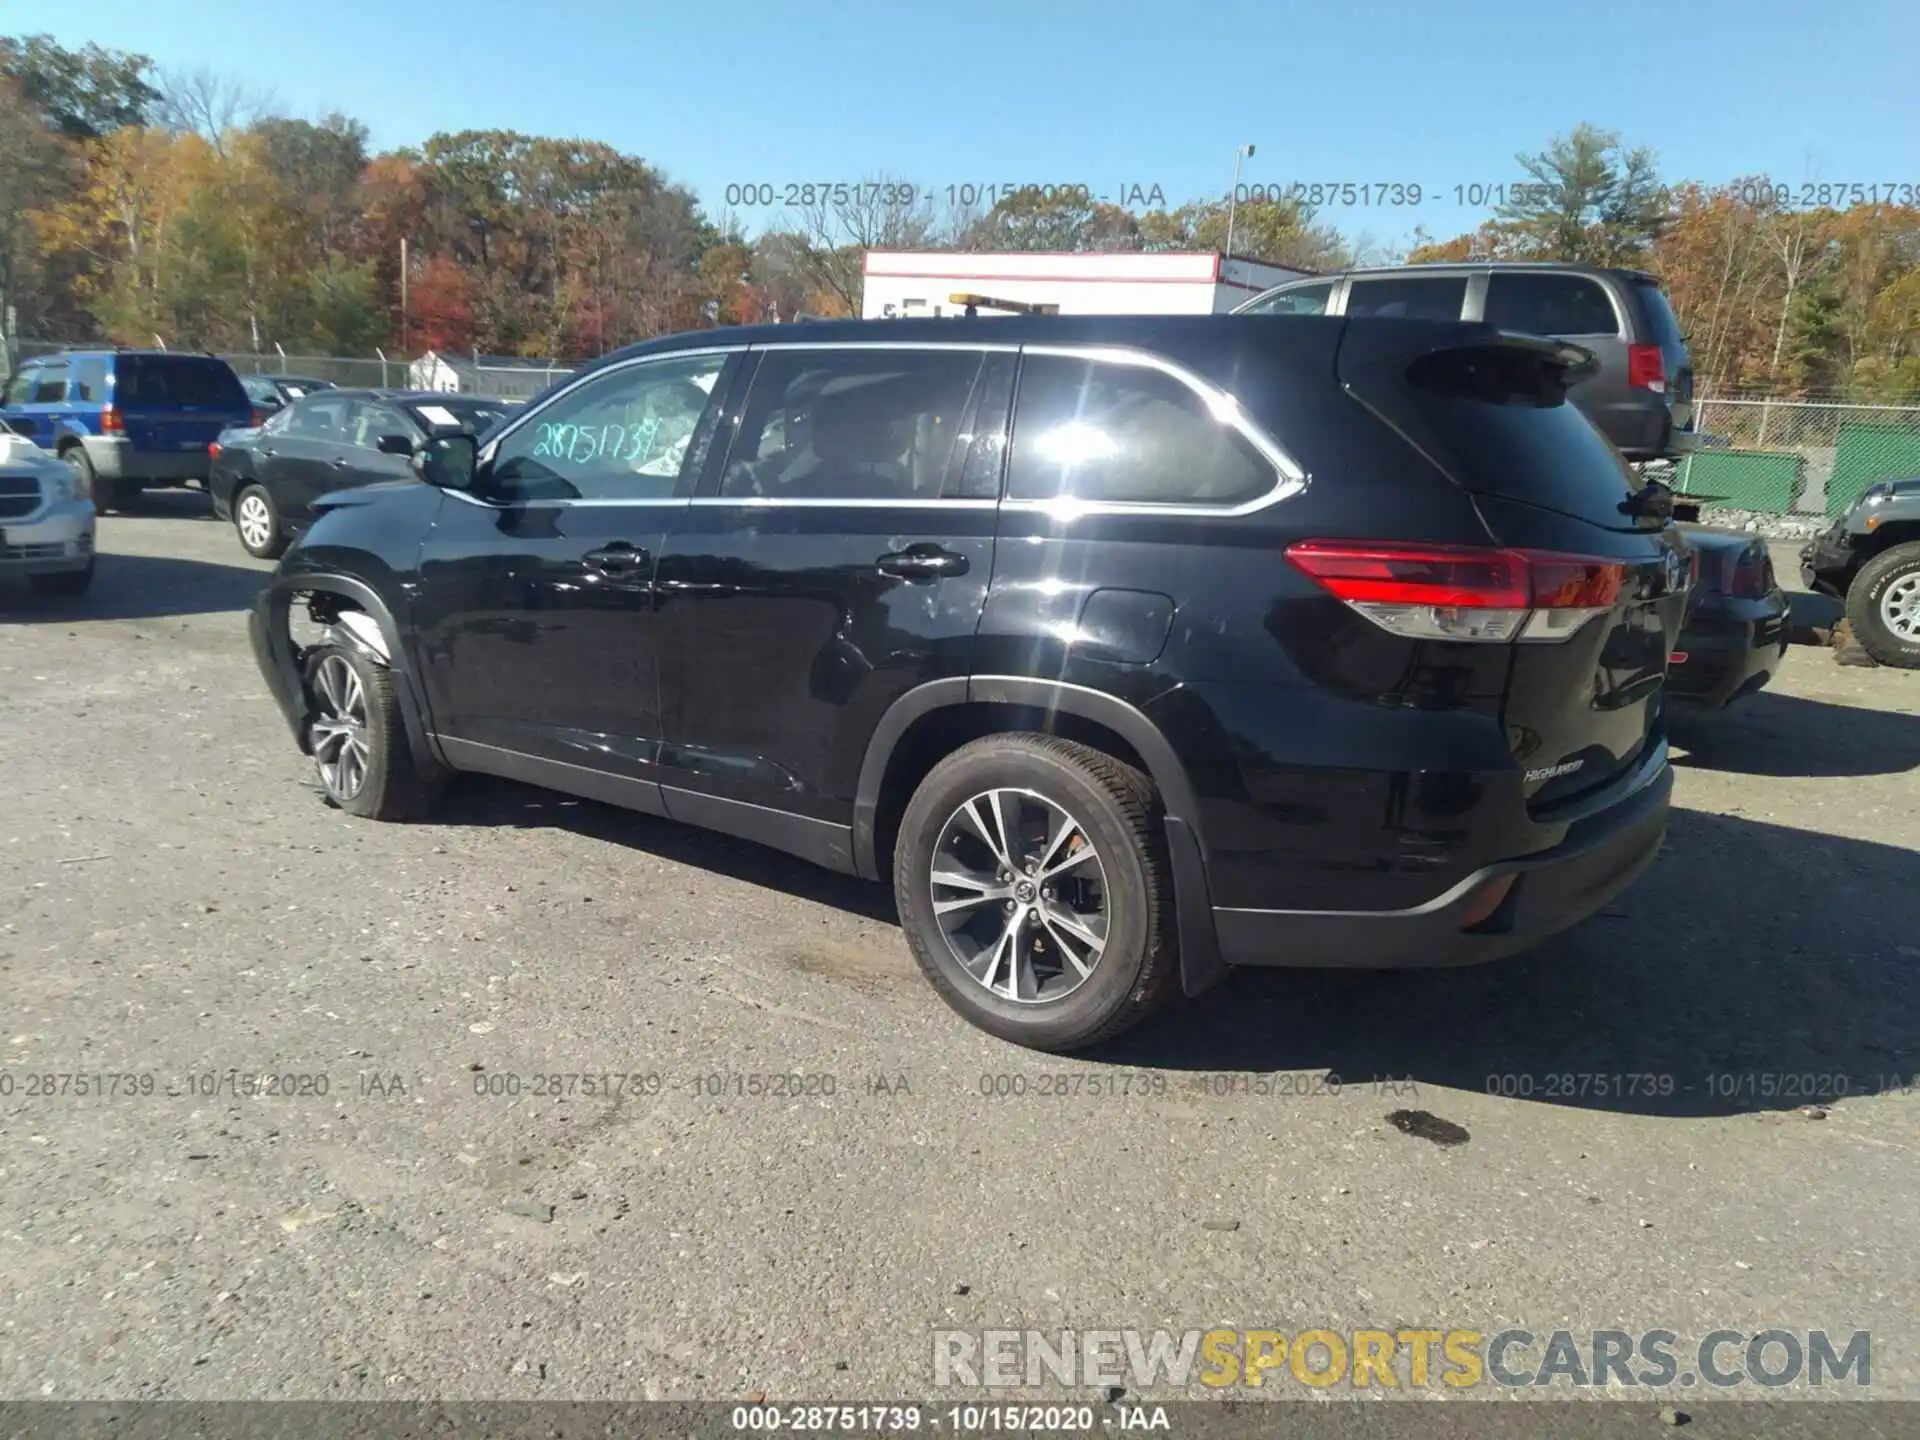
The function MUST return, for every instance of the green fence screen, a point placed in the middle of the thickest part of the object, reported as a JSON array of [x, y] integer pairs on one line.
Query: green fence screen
[[1868, 453], [1744, 479]]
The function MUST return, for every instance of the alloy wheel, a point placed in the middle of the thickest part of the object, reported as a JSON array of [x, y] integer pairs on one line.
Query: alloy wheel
[[255, 521], [339, 731], [1900, 606], [1020, 895]]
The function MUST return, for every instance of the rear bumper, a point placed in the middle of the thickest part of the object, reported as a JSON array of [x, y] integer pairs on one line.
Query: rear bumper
[[119, 459], [1599, 857], [55, 539], [1732, 651]]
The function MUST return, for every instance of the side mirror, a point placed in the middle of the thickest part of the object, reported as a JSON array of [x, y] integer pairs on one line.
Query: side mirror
[[394, 445], [447, 461]]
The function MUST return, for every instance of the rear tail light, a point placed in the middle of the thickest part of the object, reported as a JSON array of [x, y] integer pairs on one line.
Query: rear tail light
[[1752, 575], [257, 417], [213, 449], [110, 421], [1647, 368], [1464, 592]]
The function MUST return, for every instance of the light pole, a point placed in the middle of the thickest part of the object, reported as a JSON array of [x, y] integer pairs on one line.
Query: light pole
[[1245, 152]]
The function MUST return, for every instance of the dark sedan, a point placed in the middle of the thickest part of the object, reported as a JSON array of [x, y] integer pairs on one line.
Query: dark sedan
[[1735, 633], [266, 479]]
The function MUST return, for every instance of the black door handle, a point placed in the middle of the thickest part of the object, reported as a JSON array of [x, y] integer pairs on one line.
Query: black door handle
[[922, 562], [618, 558]]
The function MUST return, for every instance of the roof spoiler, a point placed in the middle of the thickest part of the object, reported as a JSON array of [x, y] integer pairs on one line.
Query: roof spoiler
[[1504, 367]]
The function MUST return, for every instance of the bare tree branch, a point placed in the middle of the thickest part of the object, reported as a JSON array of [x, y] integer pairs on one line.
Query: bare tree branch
[[209, 103]]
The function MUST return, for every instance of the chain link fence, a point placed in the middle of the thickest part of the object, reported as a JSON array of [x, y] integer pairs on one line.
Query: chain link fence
[[498, 377], [1797, 457]]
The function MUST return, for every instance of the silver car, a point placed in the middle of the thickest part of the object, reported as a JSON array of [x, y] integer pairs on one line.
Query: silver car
[[46, 523]]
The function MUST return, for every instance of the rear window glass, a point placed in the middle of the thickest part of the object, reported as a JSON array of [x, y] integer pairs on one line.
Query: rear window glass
[[1408, 297], [176, 380], [1663, 327], [1511, 433], [1549, 305]]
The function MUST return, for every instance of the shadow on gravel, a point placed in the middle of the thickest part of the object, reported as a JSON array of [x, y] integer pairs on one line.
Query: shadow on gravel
[[184, 504], [1755, 967], [1787, 735], [138, 587], [487, 800], [1810, 613]]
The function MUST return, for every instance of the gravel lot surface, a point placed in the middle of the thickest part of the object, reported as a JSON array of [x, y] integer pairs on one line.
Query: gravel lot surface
[[178, 906]]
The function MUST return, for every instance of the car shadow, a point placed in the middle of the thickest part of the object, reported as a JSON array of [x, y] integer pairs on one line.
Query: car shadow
[[1771, 733], [1755, 967], [488, 800], [169, 504], [138, 587], [1811, 616]]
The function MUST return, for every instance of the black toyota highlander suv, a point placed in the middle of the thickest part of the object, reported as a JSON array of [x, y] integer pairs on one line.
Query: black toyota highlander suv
[[1129, 649]]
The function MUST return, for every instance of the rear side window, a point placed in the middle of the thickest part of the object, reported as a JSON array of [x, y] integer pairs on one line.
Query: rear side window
[[51, 387], [161, 380], [21, 386], [1103, 432], [851, 424], [1408, 297], [1662, 326], [1302, 300], [87, 381], [319, 419], [1549, 304]]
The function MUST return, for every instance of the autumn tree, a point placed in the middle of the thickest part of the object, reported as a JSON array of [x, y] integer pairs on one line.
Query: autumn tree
[[83, 94], [37, 167]]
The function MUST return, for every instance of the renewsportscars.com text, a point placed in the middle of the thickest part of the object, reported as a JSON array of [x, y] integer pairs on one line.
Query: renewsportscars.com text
[[1410, 1358]]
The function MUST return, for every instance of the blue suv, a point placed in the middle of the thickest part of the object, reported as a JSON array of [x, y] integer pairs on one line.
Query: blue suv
[[126, 419]]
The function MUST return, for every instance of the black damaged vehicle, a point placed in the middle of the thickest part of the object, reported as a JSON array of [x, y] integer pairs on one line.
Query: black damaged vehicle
[[1735, 635], [1128, 650]]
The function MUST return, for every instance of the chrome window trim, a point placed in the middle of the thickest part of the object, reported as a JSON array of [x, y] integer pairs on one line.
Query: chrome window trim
[[561, 500], [1289, 479], [775, 502], [995, 345]]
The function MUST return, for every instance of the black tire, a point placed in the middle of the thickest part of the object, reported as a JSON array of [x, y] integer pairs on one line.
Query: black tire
[[1896, 567], [62, 582], [276, 542], [1118, 810], [391, 786], [76, 456]]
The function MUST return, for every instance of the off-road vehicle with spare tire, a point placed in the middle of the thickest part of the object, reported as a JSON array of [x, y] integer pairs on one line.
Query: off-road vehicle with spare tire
[[1128, 649], [1870, 558]]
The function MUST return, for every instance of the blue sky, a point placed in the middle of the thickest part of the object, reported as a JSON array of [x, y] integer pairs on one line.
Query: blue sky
[[1110, 94]]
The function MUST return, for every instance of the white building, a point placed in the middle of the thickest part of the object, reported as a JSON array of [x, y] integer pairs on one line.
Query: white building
[[922, 282]]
